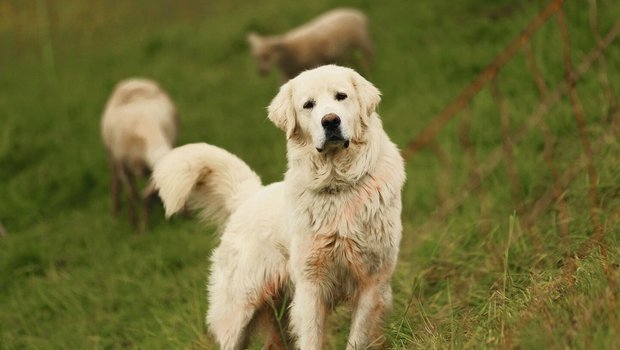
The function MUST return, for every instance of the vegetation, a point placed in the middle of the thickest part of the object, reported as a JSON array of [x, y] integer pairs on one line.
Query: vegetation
[[72, 276]]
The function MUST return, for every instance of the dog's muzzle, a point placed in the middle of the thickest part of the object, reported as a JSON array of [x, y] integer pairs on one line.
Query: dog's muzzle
[[331, 127]]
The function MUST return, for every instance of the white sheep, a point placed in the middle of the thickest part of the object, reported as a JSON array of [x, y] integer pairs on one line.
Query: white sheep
[[327, 39], [139, 126]]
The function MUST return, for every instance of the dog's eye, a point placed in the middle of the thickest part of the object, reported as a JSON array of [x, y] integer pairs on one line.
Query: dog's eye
[[341, 96], [309, 104]]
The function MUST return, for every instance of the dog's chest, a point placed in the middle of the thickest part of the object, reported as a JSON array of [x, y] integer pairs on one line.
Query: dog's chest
[[361, 213], [348, 237]]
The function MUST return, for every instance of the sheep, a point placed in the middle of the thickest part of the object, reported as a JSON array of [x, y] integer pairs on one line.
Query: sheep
[[327, 39], [138, 127]]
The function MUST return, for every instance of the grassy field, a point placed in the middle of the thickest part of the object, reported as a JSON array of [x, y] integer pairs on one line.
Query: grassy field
[[73, 277]]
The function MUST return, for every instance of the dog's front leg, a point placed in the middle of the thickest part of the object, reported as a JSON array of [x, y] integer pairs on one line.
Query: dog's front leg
[[371, 304], [308, 314]]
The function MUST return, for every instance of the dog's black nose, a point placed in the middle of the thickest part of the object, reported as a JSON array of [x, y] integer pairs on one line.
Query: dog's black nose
[[330, 121]]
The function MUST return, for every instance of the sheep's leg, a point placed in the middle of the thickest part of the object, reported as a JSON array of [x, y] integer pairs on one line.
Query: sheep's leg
[[127, 179], [368, 53], [148, 194], [364, 44], [115, 187]]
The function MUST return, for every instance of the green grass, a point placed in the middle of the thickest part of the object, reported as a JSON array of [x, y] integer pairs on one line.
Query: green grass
[[73, 277]]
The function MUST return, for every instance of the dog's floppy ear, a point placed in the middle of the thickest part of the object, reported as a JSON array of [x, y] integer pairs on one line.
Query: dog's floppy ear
[[367, 94], [281, 110]]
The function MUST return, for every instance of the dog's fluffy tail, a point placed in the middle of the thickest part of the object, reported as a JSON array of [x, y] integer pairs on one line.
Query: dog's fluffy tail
[[205, 178]]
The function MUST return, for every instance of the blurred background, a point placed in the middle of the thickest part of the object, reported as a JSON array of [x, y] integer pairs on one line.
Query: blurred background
[[510, 210]]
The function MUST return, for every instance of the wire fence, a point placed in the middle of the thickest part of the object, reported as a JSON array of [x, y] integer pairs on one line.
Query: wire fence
[[448, 201]]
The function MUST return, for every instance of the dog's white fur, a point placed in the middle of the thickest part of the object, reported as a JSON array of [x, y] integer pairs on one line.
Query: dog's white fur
[[326, 39], [330, 231], [138, 127]]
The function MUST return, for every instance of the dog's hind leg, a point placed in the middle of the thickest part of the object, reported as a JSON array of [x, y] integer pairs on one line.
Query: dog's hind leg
[[241, 284], [230, 323], [234, 326]]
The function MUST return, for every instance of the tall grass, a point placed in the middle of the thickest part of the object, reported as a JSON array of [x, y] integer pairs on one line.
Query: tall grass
[[73, 277]]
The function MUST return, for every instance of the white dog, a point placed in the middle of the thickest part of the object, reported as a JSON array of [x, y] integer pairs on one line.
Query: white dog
[[330, 231], [138, 126], [328, 38]]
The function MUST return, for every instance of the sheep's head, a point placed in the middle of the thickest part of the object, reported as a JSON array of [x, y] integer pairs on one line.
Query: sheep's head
[[266, 51]]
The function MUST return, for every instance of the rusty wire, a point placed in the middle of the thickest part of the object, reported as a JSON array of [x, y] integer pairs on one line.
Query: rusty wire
[[580, 119], [550, 98], [462, 100], [497, 155], [504, 153]]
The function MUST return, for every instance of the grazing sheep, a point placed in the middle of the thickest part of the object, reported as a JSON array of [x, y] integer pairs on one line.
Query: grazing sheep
[[327, 39], [138, 127]]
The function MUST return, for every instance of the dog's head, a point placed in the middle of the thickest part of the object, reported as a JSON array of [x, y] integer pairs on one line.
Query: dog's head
[[266, 51], [328, 106]]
